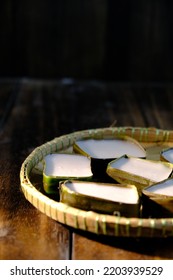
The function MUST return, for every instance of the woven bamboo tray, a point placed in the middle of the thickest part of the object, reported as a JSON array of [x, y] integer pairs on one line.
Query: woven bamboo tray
[[153, 140]]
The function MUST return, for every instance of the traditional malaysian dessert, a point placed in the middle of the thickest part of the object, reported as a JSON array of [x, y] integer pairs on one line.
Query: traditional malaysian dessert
[[167, 155], [102, 151], [115, 199], [158, 199], [140, 172], [59, 167]]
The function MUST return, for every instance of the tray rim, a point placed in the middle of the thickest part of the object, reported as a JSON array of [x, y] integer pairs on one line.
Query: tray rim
[[90, 221]]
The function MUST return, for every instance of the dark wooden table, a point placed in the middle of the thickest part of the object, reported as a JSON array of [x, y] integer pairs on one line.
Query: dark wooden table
[[34, 112]]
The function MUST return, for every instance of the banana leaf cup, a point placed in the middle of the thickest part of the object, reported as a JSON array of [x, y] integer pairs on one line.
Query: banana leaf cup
[[58, 167], [167, 155], [102, 151], [139, 172], [157, 200], [114, 199]]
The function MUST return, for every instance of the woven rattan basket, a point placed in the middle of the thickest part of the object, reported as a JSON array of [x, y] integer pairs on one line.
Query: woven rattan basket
[[153, 140]]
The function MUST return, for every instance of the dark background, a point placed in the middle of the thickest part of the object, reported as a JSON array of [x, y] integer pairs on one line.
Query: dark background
[[127, 40]]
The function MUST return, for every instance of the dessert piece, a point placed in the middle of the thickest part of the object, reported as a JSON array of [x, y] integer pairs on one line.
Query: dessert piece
[[158, 199], [102, 151], [59, 167], [114, 199], [140, 172], [167, 155]]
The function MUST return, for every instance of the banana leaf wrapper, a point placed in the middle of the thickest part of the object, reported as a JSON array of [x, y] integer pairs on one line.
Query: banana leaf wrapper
[[157, 205], [139, 181], [100, 205], [99, 165], [167, 155], [51, 182]]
